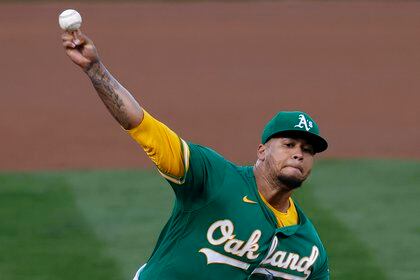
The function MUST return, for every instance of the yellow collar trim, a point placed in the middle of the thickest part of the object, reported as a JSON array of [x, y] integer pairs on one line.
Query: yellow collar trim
[[289, 218]]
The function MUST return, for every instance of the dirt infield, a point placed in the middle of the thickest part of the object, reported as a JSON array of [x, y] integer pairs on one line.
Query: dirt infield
[[215, 73]]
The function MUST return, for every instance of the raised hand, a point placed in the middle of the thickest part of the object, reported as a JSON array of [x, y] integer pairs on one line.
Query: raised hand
[[80, 49]]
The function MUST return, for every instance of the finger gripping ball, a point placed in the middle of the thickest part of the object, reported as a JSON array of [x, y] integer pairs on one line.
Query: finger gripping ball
[[70, 20]]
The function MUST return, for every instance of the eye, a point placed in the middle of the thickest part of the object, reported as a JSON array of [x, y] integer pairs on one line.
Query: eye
[[308, 149], [289, 144]]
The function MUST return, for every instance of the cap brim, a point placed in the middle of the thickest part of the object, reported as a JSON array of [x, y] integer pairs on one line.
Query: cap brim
[[319, 143]]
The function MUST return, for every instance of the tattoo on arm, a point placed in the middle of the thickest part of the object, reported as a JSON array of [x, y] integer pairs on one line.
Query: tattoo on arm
[[111, 92]]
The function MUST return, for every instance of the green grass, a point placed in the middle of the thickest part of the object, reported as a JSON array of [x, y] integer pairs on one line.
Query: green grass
[[103, 224], [43, 234]]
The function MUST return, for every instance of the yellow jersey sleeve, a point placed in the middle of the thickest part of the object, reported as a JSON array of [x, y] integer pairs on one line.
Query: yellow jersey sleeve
[[290, 218], [164, 147]]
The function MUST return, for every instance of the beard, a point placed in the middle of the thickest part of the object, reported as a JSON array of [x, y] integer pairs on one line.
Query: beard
[[290, 182], [282, 178]]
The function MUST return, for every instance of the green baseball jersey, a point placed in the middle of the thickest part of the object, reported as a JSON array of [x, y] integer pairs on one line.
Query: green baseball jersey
[[221, 229]]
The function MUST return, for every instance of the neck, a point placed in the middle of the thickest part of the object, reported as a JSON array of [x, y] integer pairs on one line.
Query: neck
[[274, 192]]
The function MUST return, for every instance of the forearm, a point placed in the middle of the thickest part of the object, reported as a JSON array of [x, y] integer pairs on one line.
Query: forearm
[[162, 145], [120, 103]]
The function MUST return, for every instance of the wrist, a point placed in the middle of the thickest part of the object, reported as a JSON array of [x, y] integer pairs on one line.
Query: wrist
[[93, 68]]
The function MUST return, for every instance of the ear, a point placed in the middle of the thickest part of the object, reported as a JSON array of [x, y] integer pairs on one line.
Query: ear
[[261, 152]]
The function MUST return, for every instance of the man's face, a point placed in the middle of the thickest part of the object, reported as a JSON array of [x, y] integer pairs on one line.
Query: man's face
[[288, 160]]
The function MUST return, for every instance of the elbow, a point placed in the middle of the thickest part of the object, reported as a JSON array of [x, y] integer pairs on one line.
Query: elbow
[[132, 120]]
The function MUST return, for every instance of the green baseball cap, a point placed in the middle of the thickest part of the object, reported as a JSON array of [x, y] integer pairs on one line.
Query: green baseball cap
[[295, 123]]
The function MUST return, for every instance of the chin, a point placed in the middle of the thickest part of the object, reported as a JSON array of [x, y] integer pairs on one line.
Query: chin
[[291, 182]]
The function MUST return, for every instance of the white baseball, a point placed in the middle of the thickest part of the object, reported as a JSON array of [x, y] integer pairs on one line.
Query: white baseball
[[70, 20]]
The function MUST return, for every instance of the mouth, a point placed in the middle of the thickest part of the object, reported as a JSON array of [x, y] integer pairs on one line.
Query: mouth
[[296, 167]]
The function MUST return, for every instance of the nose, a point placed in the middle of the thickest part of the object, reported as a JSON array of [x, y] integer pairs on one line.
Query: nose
[[298, 155]]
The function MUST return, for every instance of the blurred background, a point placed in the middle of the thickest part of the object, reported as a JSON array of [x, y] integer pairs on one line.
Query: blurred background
[[80, 200]]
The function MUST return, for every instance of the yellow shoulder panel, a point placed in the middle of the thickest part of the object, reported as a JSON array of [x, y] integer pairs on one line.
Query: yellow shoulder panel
[[163, 146]]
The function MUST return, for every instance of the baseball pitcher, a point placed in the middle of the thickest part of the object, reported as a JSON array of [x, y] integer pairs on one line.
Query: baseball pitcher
[[228, 221]]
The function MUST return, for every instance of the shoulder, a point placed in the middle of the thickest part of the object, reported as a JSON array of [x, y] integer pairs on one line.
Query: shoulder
[[207, 155], [311, 234], [307, 226]]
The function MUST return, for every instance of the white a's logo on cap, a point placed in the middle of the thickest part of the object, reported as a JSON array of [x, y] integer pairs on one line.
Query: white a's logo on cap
[[303, 123]]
